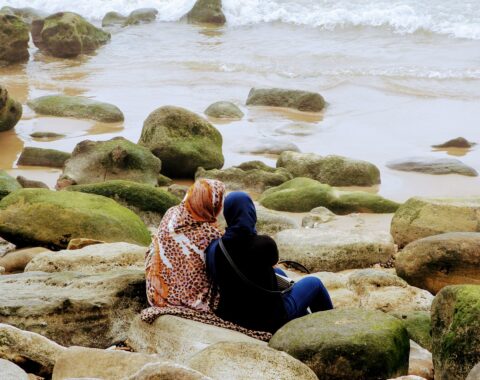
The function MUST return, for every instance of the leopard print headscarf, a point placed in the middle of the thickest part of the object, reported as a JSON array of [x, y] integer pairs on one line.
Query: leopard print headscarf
[[175, 262]]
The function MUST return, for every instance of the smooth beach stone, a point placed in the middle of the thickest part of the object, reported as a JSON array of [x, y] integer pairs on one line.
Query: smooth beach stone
[[238, 361], [269, 146], [298, 195], [52, 218], [16, 261], [31, 184], [332, 170], [140, 16], [420, 362], [10, 371], [206, 12], [474, 373], [421, 217], [166, 371], [297, 129], [183, 141], [437, 261], [429, 165], [252, 178], [14, 37], [347, 344], [361, 201], [270, 222], [16, 343], [456, 331], [325, 249], [8, 184], [278, 97], [43, 157], [115, 159], [113, 18], [73, 308], [418, 324], [97, 258], [67, 35], [459, 142], [76, 107], [317, 216], [10, 110], [224, 110], [47, 135], [178, 339]]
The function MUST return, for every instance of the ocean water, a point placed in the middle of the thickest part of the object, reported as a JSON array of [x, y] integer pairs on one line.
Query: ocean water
[[398, 76]]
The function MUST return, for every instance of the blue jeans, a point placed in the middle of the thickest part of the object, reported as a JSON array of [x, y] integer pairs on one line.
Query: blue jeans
[[309, 292]]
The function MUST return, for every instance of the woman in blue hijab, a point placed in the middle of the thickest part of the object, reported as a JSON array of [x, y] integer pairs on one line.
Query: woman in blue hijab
[[255, 257]]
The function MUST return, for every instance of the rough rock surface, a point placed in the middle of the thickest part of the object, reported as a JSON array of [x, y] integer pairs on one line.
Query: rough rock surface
[[332, 170], [237, 361], [277, 97], [347, 344], [10, 371], [167, 371], [430, 165], [182, 140], [456, 331], [418, 323], [224, 110], [270, 222], [437, 261], [141, 16], [113, 19], [10, 110], [16, 261], [421, 217], [43, 157], [67, 35], [8, 184], [206, 12], [27, 14], [72, 308], [115, 159], [14, 39], [77, 107], [317, 217], [26, 219]]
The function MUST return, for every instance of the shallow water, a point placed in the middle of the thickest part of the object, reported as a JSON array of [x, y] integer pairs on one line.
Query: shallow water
[[390, 93]]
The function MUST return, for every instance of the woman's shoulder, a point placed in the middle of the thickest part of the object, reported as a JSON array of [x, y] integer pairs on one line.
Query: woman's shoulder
[[265, 240]]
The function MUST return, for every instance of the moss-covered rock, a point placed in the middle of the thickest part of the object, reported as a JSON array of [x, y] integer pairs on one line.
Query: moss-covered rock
[[140, 196], [255, 179], [437, 261], [206, 12], [421, 217], [77, 107], [270, 222], [361, 201], [224, 110], [459, 142], [39, 217], [140, 16], [67, 35], [27, 14], [430, 165], [31, 184], [351, 344], [278, 97], [47, 136], [14, 37], [182, 140], [298, 195], [10, 110], [418, 325], [100, 161], [113, 18], [43, 157], [7, 184], [332, 170], [456, 331]]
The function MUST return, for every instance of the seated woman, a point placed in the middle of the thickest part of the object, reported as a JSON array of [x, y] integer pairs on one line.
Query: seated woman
[[175, 263], [255, 257]]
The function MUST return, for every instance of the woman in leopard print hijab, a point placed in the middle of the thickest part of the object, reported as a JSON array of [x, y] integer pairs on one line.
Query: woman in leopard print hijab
[[175, 261]]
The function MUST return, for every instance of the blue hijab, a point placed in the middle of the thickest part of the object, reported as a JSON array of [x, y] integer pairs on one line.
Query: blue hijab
[[241, 217]]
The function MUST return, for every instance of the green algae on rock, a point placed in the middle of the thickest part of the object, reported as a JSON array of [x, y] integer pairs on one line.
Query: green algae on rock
[[143, 197], [361, 201], [206, 12], [67, 35], [8, 184], [435, 166], [224, 110], [10, 110], [418, 325], [278, 97], [118, 158], [76, 107], [456, 331], [43, 157], [142, 15], [332, 170], [27, 14], [39, 217], [421, 217], [113, 18], [14, 37], [350, 344], [182, 140]]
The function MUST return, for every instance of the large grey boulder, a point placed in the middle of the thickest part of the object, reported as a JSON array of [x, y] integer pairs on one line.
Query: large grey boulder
[[206, 12], [421, 217], [278, 97], [347, 344], [332, 170], [10, 371], [437, 261], [430, 165], [72, 308], [270, 222]]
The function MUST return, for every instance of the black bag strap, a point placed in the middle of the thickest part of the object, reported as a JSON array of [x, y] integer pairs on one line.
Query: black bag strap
[[243, 277]]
